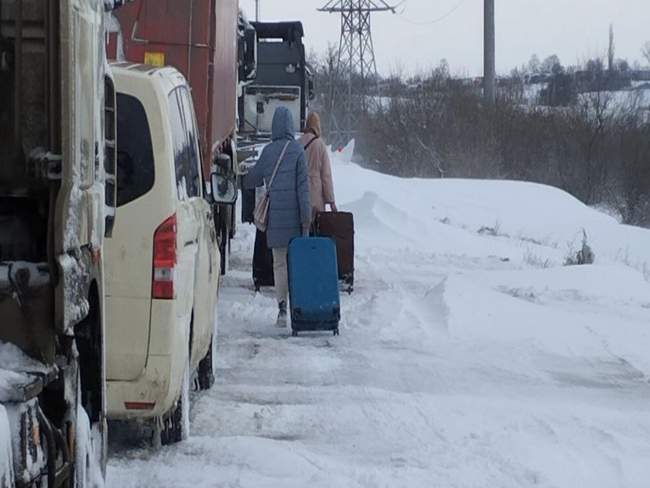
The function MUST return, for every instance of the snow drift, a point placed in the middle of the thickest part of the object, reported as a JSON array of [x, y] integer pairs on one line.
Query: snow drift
[[530, 217]]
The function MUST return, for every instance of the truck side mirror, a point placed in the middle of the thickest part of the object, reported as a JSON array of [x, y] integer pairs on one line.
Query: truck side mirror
[[223, 163], [224, 189]]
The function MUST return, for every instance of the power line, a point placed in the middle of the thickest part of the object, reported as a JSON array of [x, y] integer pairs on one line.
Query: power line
[[433, 21]]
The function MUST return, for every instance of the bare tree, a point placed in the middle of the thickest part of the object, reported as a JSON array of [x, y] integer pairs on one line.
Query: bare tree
[[534, 65], [324, 68], [435, 157], [551, 64], [645, 50], [434, 125]]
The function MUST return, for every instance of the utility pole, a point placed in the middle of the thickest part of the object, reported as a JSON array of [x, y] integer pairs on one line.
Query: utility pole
[[257, 10], [489, 57], [611, 52]]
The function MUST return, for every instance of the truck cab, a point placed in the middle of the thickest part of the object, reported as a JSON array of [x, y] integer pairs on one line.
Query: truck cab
[[57, 196], [283, 78]]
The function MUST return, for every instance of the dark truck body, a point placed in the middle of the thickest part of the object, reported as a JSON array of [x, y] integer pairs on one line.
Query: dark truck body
[[57, 195], [200, 38], [283, 78]]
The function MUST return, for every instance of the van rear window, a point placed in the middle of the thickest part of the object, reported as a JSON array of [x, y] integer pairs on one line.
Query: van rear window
[[135, 163], [186, 147]]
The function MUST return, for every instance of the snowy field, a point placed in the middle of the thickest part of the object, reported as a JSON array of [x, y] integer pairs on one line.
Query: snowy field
[[469, 356]]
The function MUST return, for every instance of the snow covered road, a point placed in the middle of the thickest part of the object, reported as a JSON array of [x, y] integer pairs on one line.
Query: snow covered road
[[467, 359]]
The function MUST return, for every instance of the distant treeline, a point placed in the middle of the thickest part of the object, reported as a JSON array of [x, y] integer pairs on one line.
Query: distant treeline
[[595, 146]]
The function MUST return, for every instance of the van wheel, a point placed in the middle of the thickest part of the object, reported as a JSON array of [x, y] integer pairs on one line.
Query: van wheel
[[177, 427], [206, 369]]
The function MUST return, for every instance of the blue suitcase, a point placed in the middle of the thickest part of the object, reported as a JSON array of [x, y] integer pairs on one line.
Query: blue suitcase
[[313, 285]]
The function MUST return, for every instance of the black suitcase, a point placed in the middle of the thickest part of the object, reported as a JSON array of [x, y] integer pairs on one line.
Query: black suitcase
[[262, 262], [247, 206], [340, 227]]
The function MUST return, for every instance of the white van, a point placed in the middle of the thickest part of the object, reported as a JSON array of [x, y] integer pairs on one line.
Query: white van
[[163, 258]]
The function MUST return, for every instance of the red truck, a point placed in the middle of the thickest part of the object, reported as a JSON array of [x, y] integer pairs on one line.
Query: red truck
[[200, 38]]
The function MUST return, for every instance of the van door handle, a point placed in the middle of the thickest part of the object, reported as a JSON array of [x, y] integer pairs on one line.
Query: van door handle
[[191, 243]]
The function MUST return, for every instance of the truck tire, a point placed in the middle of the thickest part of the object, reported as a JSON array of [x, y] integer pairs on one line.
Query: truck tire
[[83, 449], [91, 449], [92, 443]]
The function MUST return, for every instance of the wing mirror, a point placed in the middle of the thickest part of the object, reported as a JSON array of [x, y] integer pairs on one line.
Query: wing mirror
[[224, 189]]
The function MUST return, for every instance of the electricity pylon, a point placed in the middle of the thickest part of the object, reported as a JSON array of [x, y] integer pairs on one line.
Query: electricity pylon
[[356, 68]]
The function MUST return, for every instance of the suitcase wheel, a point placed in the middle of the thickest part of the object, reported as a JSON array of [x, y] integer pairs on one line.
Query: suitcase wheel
[[336, 332], [294, 333]]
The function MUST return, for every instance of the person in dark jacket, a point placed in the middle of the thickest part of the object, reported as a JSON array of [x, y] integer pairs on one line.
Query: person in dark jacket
[[289, 207]]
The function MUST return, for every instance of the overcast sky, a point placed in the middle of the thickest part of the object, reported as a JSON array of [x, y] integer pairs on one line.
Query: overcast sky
[[573, 29]]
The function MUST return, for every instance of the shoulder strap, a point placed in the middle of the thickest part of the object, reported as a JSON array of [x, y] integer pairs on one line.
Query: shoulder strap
[[310, 142], [277, 165]]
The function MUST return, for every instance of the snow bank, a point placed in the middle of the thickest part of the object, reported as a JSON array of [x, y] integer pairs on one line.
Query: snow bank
[[527, 220], [470, 230], [554, 313]]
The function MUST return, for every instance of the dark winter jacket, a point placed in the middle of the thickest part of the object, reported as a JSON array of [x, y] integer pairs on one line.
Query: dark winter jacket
[[290, 210]]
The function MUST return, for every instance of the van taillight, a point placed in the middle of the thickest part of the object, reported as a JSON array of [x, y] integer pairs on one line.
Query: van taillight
[[164, 260]]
